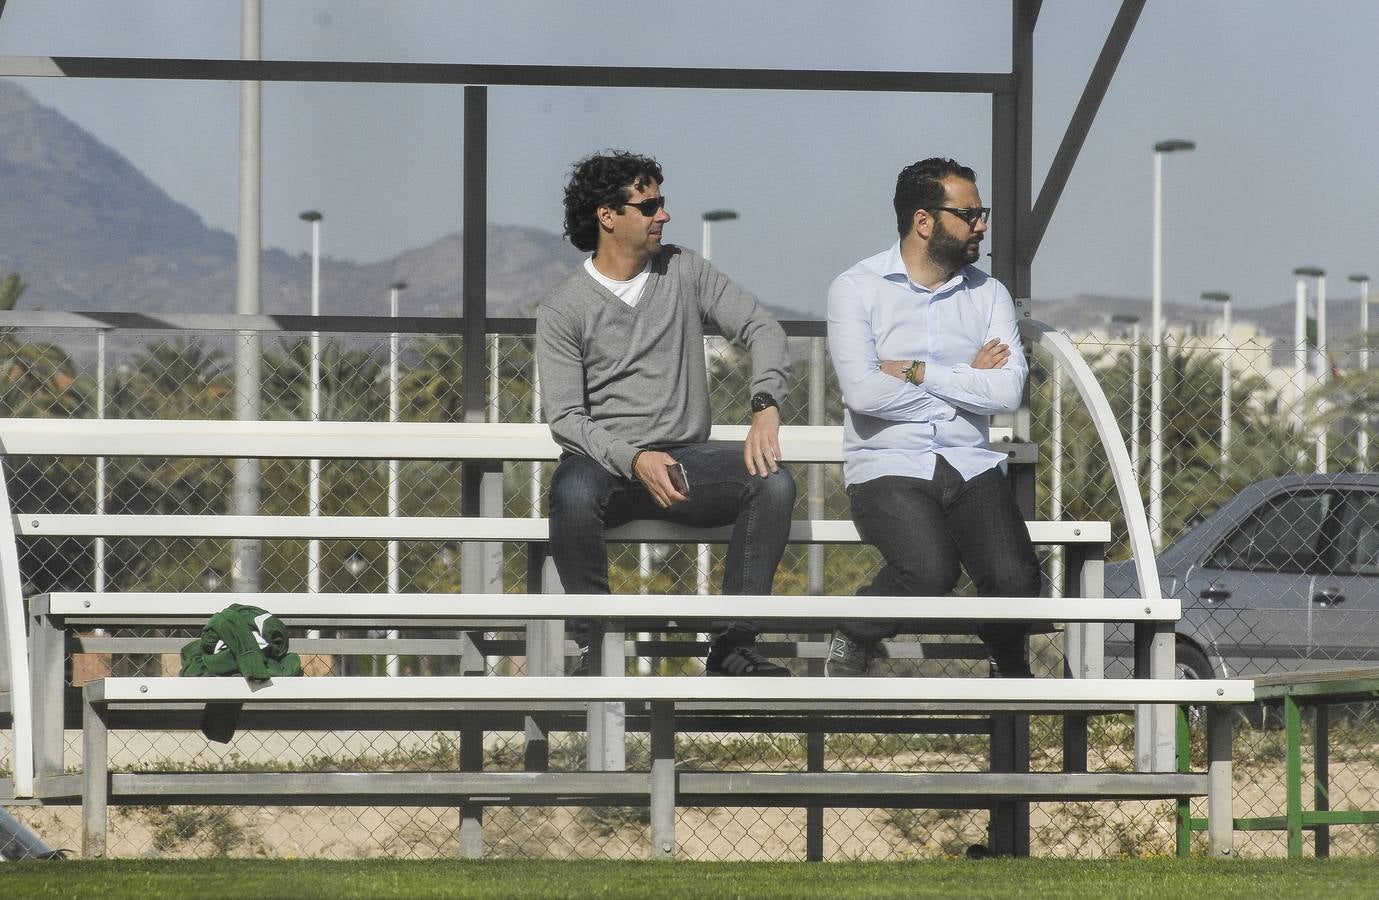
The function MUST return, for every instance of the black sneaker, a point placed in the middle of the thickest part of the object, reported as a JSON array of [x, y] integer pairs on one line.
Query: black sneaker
[[742, 660], [851, 659], [1010, 664]]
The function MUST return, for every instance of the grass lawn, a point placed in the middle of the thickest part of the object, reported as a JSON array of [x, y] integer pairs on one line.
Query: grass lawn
[[1040, 878]]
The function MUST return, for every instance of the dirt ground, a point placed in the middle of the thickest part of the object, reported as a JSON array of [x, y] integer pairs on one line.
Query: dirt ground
[[1080, 830]]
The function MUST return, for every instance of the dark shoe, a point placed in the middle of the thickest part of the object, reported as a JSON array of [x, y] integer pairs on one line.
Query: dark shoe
[[742, 660], [851, 659], [1011, 664]]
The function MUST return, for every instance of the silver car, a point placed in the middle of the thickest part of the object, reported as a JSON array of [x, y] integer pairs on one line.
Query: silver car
[[1284, 576]]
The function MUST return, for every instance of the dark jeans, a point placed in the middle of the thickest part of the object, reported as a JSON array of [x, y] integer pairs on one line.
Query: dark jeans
[[928, 529], [586, 499]]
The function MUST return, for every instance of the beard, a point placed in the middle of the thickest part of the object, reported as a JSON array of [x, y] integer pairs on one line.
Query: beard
[[951, 254]]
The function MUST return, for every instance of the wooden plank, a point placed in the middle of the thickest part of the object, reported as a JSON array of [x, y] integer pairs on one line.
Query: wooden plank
[[1285, 679]]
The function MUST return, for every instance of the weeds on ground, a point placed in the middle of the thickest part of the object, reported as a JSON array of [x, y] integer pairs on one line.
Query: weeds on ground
[[196, 828]]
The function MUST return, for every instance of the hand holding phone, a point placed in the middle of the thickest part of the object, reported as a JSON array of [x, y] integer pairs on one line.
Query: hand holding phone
[[676, 471]]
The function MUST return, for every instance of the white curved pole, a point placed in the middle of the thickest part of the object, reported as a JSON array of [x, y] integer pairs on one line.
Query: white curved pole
[[16, 652], [1084, 381]]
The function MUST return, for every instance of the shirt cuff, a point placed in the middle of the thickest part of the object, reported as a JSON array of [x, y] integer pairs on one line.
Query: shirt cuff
[[937, 378]]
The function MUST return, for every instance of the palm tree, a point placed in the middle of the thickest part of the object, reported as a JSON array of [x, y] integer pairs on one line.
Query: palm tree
[[177, 379], [12, 287], [1262, 447], [352, 385], [432, 390]]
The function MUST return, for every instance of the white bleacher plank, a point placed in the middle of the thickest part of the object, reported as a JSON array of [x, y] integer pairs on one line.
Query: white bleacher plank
[[351, 440], [647, 606], [510, 688], [450, 528]]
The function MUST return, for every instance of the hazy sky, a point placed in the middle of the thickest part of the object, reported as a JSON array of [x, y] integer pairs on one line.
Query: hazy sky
[[1279, 96]]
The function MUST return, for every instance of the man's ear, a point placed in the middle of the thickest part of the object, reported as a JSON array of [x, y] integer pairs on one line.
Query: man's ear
[[605, 216], [922, 223]]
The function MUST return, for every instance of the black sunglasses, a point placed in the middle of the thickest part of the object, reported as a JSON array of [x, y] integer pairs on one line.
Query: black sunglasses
[[649, 206], [971, 214]]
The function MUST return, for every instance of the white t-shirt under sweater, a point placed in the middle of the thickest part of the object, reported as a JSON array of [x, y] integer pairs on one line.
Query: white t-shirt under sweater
[[629, 291]]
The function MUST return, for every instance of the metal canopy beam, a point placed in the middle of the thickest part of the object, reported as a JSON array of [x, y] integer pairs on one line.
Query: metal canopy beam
[[532, 76], [1081, 122]]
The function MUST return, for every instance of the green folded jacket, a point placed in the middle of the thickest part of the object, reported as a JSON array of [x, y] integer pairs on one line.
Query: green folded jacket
[[241, 640]]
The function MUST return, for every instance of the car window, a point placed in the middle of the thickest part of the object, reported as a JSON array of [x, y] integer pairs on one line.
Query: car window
[[1359, 542], [1283, 535]]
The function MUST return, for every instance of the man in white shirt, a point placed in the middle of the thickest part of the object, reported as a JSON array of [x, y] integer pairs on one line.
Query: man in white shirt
[[926, 348]]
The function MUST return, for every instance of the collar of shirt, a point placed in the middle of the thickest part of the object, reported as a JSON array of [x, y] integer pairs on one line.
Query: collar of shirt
[[893, 269]]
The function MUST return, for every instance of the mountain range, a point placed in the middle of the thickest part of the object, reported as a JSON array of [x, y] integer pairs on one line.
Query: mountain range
[[89, 232]]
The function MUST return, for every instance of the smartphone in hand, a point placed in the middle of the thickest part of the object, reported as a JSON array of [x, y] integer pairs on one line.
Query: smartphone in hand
[[676, 471]]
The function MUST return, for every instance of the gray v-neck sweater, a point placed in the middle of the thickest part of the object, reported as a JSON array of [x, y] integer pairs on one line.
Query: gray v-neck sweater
[[616, 379]]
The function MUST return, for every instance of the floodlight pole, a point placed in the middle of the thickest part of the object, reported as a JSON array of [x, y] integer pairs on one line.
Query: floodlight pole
[[1156, 330], [246, 556], [1362, 439], [1134, 323]]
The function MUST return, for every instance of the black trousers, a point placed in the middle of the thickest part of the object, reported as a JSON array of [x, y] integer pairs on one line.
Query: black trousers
[[929, 529]]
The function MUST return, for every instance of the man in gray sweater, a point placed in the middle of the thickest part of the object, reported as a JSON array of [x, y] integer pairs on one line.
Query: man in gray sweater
[[620, 348]]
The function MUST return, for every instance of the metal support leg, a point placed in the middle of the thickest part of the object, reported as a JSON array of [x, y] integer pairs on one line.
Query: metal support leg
[[48, 648], [1220, 787], [1292, 729], [814, 812], [1154, 724], [536, 748], [662, 780], [1322, 787], [95, 774], [1084, 643], [1009, 829], [1183, 805], [471, 760], [607, 747]]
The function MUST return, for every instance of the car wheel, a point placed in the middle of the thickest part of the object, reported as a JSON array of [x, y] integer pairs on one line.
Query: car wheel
[[1192, 662]]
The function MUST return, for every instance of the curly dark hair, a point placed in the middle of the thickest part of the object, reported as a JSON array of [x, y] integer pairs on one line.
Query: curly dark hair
[[920, 186], [603, 179]]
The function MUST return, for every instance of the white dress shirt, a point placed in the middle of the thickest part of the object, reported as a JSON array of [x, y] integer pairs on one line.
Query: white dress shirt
[[892, 427]]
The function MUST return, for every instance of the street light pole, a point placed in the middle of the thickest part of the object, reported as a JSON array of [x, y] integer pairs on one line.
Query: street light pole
[[1156, 412], [1134, 323], [1362, 439], [1323, 367], [703, 561], [1225, 350], [1300, 350], [313, 552], [392, 666], [714, 215]]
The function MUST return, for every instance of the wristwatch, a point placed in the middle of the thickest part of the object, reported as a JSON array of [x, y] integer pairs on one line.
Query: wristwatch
[[762, 400]]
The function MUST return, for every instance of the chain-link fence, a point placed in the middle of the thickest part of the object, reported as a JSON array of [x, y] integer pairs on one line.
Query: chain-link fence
[[1253, 609]]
